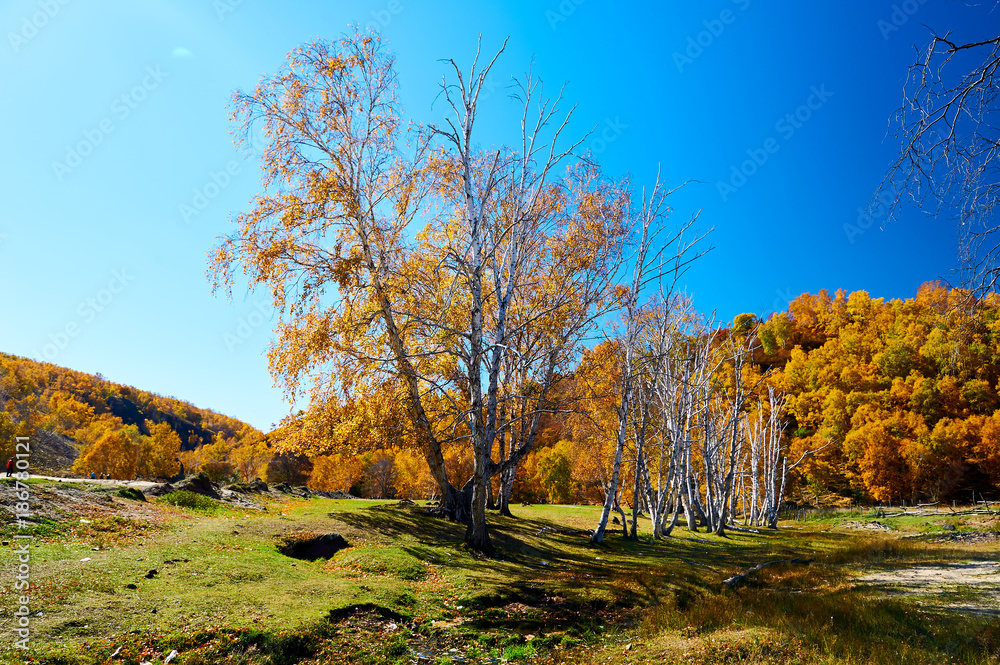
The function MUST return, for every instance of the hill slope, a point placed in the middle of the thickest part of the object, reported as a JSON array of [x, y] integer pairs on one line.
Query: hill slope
[[67, 413]]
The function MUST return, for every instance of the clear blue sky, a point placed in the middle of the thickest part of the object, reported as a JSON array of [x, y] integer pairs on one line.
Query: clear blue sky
[[98, 262]]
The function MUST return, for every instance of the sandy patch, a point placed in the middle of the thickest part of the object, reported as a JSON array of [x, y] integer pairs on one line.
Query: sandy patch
[[972, 586]]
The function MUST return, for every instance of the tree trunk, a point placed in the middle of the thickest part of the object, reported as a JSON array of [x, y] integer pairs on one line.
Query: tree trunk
[[612, 492], [477, 536], [506, 486]]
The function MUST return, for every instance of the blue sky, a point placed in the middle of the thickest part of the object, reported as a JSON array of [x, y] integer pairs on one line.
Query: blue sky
[[115, 118]]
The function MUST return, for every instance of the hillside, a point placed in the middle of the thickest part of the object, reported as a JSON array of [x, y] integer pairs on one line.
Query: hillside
[[71, 414], [903, 393]]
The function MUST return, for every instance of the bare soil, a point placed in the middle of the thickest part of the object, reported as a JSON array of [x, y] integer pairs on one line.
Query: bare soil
[[972, 586]]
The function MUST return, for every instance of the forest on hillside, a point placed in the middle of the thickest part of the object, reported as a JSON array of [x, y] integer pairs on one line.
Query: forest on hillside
[[104, 427], [905, 391]]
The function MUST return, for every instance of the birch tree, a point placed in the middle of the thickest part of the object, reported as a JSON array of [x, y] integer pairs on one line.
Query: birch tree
[[948, 127], [649, 266], [413, 258]]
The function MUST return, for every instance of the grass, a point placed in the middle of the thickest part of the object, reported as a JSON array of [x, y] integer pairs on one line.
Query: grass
[[406, 588], [186, 499]]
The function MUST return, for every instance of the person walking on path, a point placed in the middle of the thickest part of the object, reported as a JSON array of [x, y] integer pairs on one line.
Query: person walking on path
[[10, 467]]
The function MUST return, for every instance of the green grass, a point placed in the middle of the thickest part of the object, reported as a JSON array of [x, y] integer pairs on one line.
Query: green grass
[[223, 593], [382, 560], [192, 500]]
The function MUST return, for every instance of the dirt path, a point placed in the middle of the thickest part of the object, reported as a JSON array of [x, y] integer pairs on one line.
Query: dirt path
[[973, 586], [140, 484]]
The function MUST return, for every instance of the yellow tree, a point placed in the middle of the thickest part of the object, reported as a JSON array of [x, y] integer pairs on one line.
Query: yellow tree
[[334, 472], [159, 451], [116, 453], [365, 298]]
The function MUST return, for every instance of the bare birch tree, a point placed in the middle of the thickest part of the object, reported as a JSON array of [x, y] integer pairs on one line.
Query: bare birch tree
[[649, 266], [949, 160]]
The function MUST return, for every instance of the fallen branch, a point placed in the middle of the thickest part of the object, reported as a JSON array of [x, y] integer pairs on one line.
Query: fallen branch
[[741, 529], [737, 580]]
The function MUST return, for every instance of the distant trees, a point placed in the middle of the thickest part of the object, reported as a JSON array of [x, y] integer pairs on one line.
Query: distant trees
[[904, 391], [124, 452], [38, 396], [289, 468]]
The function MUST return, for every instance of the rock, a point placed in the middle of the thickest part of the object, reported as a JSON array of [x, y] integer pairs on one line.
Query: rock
[[318, 547], [199, 483], [405, 503], [131, 493], [240, 499], [131, 586], [284, 488], [151, 574], [614, 520], [159, 490], [339, 494], [255, 486], [302, 491], [948, 527]]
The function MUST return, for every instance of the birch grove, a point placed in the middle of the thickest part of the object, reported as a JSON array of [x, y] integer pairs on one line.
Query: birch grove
[[699, 428]]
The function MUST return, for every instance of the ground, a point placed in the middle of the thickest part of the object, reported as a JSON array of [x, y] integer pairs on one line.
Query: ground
[[114, 580]]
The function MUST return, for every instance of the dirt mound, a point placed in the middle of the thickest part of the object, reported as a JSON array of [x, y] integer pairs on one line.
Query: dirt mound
[[62, 501]]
